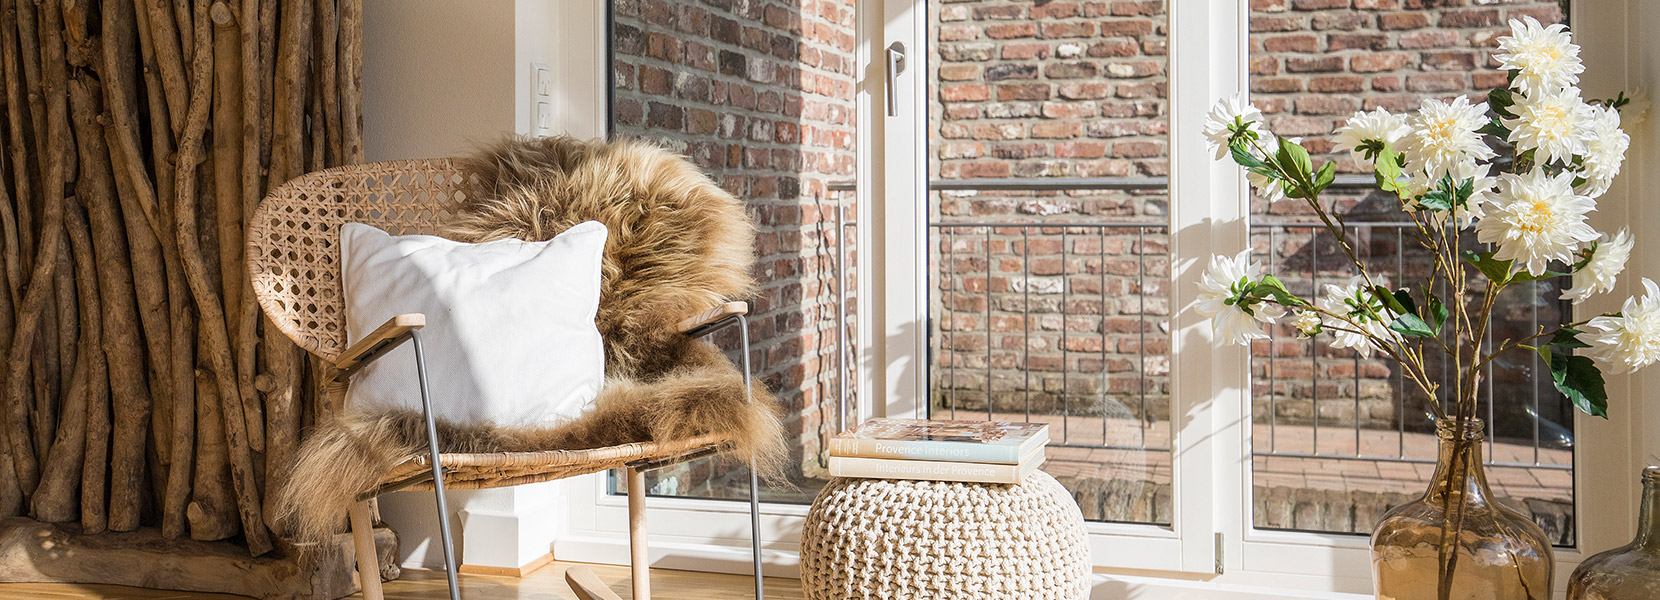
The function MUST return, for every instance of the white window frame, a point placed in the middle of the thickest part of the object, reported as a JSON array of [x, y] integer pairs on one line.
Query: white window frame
[[1211, 544]]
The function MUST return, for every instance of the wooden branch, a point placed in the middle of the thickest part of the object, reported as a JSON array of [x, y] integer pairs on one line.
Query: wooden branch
[[60, 483], [212, 510], [41, 279], [228, 200], [328, 73], [17, 118], [351, 80], [165, 45], [209, 310]]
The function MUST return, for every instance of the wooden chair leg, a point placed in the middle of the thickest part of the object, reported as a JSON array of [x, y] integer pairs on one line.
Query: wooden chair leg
[[587, 586], [363, 539], [639, 560]]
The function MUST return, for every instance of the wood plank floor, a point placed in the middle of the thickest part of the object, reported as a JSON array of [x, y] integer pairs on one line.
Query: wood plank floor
[[546, 583]]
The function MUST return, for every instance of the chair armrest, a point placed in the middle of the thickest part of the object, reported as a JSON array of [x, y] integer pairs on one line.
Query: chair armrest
[[377, 343], [706, 320]]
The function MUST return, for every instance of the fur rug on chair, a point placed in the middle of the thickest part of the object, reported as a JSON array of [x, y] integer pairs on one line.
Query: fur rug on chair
[[678, 246]]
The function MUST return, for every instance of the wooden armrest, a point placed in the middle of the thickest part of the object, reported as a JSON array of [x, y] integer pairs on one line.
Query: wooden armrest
[[368, 348], [712, 315], [587, 585]]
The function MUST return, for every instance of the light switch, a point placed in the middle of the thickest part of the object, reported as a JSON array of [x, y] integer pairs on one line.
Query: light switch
[[544, 115], [544, 81]]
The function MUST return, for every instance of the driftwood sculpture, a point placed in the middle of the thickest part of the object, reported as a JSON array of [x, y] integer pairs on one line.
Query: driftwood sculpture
[[141, 386]]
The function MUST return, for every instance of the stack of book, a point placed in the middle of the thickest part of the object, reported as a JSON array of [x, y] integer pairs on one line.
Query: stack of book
[[967, 451]]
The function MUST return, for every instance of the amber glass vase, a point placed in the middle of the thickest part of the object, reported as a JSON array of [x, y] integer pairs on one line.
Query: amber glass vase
[[1457, 542], [1632, 571]]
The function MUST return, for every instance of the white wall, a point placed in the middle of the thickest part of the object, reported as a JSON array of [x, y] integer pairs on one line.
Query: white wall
[[440, 78]]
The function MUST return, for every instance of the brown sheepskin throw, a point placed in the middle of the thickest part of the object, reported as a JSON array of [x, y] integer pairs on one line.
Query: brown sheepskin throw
[[678, 246]]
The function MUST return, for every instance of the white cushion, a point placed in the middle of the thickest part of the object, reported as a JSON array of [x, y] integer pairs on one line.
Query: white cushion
[[510, 336]]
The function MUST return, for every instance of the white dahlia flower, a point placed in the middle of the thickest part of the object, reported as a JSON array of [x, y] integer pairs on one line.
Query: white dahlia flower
[[1544, 56], [1605, 264], [1224, 118], [1631, 340], [1535, 219], [1605, 147], [1355, 301], [1308, 323], [1444, 134], [1554, 125], [1221, 291], [1363, 127]]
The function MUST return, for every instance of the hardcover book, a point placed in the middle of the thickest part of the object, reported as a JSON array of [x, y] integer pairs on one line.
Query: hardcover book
[[935, 470], [949, 441]]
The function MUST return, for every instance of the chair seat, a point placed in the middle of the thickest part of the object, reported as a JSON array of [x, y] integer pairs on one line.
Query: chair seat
[[463, 471]]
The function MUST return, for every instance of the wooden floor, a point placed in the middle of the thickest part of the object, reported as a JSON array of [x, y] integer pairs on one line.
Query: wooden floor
[[546, 583]]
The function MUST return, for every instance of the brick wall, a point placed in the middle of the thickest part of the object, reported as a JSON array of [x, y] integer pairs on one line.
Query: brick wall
[[760, 95]]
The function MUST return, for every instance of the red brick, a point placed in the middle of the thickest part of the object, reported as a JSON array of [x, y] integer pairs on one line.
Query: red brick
[[1357, 41], [1080, 150], [1078, 70], [1436, 82], [1340, 20], [1448, 61], [1137, 149], [1374, 63], [1483, 81], [1324, 64], [1084, 91], [1326, 105], [957, 33], [1291, 43], [1057, 129], [1023, 91], [1265, 65], [1391, 83], [1429, 39], [1336, 85], [984, 169], [1126, 28], [959, 72], [1054, 10], [1063, 30], [1112, 49], [1011, 31], [1025, 51], [1276, 85], [1319, 4], [1377, 4], [965, 93], [1469, 18], [1290, 23], [1270, 5], [1403, 21]]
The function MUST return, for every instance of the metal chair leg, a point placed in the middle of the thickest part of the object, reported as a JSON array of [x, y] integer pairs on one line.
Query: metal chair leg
[[754, 481], [437, 469]]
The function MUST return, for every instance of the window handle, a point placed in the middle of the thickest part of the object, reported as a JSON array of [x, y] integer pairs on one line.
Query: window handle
[[896, 65]]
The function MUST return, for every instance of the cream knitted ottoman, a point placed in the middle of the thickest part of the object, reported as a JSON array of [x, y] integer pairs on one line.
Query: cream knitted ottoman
[[920, 540]]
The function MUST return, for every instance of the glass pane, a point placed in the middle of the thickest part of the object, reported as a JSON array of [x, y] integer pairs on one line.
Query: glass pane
[[760, 95], [1340, 439], [1048, 236]]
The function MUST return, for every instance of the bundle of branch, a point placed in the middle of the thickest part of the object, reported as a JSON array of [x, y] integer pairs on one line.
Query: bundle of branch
[[142, 386]]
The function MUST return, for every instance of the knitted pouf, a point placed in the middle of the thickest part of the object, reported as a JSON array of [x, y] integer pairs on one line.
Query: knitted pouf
[[898, 540]]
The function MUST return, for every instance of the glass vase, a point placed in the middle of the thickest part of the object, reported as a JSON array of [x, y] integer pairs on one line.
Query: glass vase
[[1632, 571], [1457, 542]]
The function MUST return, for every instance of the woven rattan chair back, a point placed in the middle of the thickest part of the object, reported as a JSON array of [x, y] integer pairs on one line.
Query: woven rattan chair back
[[294, 237]]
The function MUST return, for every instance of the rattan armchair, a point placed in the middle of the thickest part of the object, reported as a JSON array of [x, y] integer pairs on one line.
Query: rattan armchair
[[294, 260]]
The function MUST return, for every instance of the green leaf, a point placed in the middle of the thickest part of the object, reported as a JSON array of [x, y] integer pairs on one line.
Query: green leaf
[[1326, 175], [1436, 200], [1498, 271], [1496, 129], [1500, 100], [1568, 338], [1242, 155], [1411, 325], [1578, 378], [1294, 159], [1388, 171], [1437, 311], [1524, 276], [1398, 301], [1272, 287]]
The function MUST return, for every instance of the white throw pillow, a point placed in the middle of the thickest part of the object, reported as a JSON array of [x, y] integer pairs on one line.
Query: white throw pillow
[[510, 336]]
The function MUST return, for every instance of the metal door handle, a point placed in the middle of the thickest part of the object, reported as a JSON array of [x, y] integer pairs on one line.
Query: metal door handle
[[896, 65]]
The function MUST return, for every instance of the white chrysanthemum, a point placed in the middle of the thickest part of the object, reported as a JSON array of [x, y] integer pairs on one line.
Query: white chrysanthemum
[[1377, 126], [1220, 289], [1219, 124], [1631, 340], [1544, 56], [1605, 265], [1308, 323], [1605, 147], [1354, 301], [1553, 125], [1443, 134], [1535, 219]]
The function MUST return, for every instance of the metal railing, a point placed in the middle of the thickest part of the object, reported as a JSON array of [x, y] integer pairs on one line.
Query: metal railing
[[1021, 234]]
